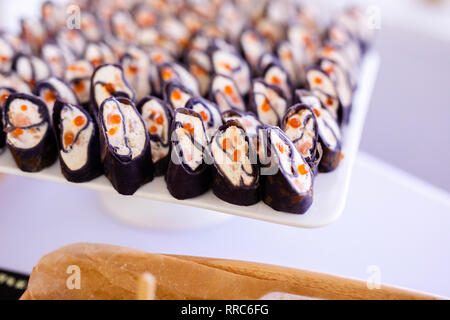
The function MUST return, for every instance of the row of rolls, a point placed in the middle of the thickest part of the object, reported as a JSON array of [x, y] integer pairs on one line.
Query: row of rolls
[[253, 113]]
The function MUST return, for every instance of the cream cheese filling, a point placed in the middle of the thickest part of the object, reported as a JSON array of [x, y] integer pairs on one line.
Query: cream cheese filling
[[124, 129], [74, 153], [230, 152]]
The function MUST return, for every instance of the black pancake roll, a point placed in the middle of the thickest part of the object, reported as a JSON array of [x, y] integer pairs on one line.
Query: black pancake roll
[[176, 94], [268, 102], [209, 111], [124, 145], [31, 68], [189, 172], [330, 137], [51, 89], [78, 76], [78, 142], [107, 81], [227, 62], [289, 187], [157, 115], [343, 86], [28, 132], [300, 125], [225, 93], [235, 177], [276, 75], [170, 72], [252, 46], [323, 86], [5, 92]]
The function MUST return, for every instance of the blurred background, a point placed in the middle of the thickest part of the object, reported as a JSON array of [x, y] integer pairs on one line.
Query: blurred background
[[409, 119]]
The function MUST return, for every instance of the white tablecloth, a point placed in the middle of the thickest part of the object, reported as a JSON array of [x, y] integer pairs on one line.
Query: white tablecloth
[[391, 221]]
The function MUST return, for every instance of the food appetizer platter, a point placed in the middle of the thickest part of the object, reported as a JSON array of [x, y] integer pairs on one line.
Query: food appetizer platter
[[260, 119]]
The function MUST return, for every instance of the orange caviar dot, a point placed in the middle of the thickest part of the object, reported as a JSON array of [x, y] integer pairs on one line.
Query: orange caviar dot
[[328, 50], [166, 74], [50, 96], [226, 66], [160, 120], [18, 132], [226, 144], [153, 129], [113, 131], [116, 119], [189, 128], [72, 67], [280, 147], [3, 58], [265, 107], [204, 115], [329, 70], [302, 169], [287, 55], [69, 137], [176, 95], [110, 88], [341, 157], [78, 121], [275, 80], [236, 155], [79, 87], [158, 58], [96, 61], [132, 69], [228, 90], [4, 97], [329, 101], [23, 107], [317, 80], [317, 112], [295, 122]]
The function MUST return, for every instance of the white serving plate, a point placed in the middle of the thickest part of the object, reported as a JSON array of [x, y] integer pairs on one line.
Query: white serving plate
[[330, 190]]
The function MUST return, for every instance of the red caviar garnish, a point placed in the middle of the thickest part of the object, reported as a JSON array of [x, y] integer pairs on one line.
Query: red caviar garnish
[[153, 129], [226, 144], [280, 147], [113, 131], [204, 115], [23, 107], [69, 137], [302, 169], [341, 156], [160, 120], [329, 101], [226, 66], [116, 119], [317, 112], [329, 70], [18, 132], [228, 90], [275, 80], [265, 107], [50, 96], [132, 69], [317, 80], [110, 88], [176, 95], [236, 155], [295, 123], [166, 74], [4, 97], [78, 121], [189, 128], [79, 87]]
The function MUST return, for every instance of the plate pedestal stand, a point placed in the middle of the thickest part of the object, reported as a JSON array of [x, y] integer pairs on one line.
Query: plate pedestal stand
[[156, 215]]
